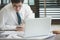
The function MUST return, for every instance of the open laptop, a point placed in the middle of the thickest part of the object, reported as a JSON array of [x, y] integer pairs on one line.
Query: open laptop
[[37, 27]]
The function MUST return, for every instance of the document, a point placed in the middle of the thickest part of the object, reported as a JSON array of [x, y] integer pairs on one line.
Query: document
[[12, 34]]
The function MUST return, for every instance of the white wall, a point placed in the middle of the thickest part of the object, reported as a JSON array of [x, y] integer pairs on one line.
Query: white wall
[[55, 27]]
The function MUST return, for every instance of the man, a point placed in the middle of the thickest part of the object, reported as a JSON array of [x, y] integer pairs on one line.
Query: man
[[12, 15]]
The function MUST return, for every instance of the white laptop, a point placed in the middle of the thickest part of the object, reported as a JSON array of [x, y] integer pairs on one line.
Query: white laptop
[[37, 27]]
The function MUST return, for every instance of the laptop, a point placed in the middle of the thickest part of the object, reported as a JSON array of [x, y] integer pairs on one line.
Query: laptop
[[37, 27]]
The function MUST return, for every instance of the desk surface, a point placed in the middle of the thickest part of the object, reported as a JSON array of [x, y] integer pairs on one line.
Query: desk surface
[[40, 37]]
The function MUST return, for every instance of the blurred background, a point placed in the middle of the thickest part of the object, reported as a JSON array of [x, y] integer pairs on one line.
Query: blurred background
[[41, 8]]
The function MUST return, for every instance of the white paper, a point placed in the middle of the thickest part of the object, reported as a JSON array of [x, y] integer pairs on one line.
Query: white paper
[[13, 34]]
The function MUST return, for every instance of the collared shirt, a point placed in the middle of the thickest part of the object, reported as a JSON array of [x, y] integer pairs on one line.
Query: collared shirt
[[8, 18]]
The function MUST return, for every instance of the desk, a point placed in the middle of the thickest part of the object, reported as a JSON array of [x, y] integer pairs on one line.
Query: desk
[[56, 31], [48, 37], [36, 38]]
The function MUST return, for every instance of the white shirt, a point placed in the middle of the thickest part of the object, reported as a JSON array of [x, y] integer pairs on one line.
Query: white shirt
[[8, 18]]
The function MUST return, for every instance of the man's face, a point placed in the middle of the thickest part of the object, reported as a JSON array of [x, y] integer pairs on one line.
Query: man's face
[[17, 6]]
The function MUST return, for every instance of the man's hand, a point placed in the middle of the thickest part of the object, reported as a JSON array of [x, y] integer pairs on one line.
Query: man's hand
[[20, 28]]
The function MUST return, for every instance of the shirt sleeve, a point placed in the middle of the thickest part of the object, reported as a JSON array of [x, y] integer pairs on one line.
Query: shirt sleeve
[[29, 12], [3, 20]]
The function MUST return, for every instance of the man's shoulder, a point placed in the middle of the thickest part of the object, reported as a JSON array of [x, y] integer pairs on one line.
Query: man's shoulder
[[7, 6], [25, 5]]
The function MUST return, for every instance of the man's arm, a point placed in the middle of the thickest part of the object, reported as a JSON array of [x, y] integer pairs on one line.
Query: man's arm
[[21, 26], [3, 20], [29, 12]]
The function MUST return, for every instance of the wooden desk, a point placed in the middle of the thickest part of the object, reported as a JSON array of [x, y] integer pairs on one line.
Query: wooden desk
[[56, 32]]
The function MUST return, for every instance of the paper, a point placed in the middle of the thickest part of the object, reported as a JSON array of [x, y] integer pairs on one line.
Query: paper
[[13, 34]]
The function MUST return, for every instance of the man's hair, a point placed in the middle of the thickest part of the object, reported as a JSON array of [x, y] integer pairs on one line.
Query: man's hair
[[17, 1]]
